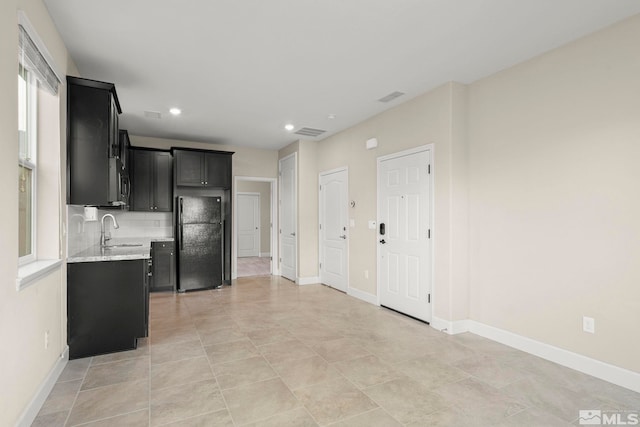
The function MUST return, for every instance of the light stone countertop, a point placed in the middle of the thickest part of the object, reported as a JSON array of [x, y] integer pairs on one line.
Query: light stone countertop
[[118, 252]]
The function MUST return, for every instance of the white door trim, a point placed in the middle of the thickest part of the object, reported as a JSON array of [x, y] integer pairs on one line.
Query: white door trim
[[274, 214], [430, 147], [320, 175], [295, 193], [250, 193]]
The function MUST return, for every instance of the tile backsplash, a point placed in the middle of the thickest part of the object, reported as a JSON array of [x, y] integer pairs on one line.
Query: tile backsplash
[[82, 234]]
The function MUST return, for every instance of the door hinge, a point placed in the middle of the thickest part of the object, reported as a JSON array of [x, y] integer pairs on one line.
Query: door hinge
[[429, 169], [428, 233], [320, 226], [429, 298], [321, 188], [280, 259], [320, 266]]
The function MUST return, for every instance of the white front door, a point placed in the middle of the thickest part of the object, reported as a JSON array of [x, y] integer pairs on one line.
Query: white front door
[[404, 232], [333, 229], [288, 239], [248, 205]]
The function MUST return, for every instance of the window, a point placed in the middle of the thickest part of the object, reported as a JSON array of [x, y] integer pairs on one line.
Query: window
[[27, 136], [37, 85]]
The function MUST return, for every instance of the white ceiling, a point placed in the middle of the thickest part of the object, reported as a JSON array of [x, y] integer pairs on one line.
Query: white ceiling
[[241, 69]]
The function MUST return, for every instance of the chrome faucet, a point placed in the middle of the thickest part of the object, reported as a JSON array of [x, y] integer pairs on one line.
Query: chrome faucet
[[103, 239]]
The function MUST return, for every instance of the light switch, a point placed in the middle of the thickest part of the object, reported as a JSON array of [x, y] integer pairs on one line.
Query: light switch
[[372, 224], [352, 223]]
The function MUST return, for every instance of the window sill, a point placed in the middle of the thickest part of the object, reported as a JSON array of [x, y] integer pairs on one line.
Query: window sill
[[28, 274]]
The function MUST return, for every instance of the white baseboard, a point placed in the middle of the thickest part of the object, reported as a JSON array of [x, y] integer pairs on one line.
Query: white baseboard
[[234, 275], [613, 374], [265, 254], [308, 280], [30, 413], [448, 326], [362, 295]]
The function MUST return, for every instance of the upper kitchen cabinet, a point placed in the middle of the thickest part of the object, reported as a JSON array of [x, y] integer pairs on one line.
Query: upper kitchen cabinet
[[124, 147], [152, 180], [195, 168], [94, 167]]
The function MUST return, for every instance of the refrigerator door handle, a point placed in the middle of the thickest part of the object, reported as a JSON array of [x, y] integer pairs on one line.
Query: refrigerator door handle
[[181, 237]]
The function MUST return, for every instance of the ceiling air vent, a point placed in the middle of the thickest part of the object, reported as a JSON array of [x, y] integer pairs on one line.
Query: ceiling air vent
[[391, 96], [310, 132], [153, 114]]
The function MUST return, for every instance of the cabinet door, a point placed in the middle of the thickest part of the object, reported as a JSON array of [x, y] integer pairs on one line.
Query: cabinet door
[[88, 146], [142, 183], [124, 150], [189, 170], [163, 266], [163, 182], [218, 170], [106, 307], [114, 136]]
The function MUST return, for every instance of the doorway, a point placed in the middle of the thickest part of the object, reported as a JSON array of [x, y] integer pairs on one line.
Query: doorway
[[405, 205], [254, 231], [334, 229]]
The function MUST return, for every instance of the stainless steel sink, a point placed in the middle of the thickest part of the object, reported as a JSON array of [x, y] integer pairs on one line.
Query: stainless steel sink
[[123, 245]]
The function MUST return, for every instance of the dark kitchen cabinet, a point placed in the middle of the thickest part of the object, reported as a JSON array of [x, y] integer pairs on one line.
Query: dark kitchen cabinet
[[203, 168], [125, 164], [152, 180], [163, 267], [94, 166], [124, 148], [107, 306]]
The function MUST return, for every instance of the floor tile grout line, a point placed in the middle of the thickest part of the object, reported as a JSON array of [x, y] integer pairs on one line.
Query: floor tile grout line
[[66, 421], [107, 418], [215, 377]]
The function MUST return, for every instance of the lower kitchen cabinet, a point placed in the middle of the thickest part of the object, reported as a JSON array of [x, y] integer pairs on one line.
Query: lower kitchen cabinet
[[107, 306], [163, 267]]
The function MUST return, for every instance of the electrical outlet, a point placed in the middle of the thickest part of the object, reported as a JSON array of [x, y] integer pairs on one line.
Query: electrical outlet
[[46, 339], [589, 324]]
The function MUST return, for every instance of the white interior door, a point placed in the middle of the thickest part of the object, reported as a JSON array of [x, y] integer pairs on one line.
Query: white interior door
[[404, 247], [288, 239], [333, 229], [248, 206]]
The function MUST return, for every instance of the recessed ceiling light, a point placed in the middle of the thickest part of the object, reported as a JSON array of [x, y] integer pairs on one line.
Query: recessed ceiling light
[[175, 111], [289, 127], [331, 116]]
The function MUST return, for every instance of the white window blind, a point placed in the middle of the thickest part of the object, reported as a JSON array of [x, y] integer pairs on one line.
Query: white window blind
[[32, 59]]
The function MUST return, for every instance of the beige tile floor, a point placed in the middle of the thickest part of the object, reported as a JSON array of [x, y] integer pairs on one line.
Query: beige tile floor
[[254, 266], [266, 352]]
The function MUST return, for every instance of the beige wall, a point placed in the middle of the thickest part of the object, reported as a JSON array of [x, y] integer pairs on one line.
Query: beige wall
[[431, 118], [26, 315], [246, 161], [554, 202], [264, 189]]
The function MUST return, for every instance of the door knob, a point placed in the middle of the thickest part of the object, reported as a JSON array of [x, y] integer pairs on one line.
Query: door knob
[[382, 241], [293, 234], [344, 236]]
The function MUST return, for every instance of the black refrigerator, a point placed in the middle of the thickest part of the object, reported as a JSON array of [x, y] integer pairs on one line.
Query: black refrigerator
[[200, 239]]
